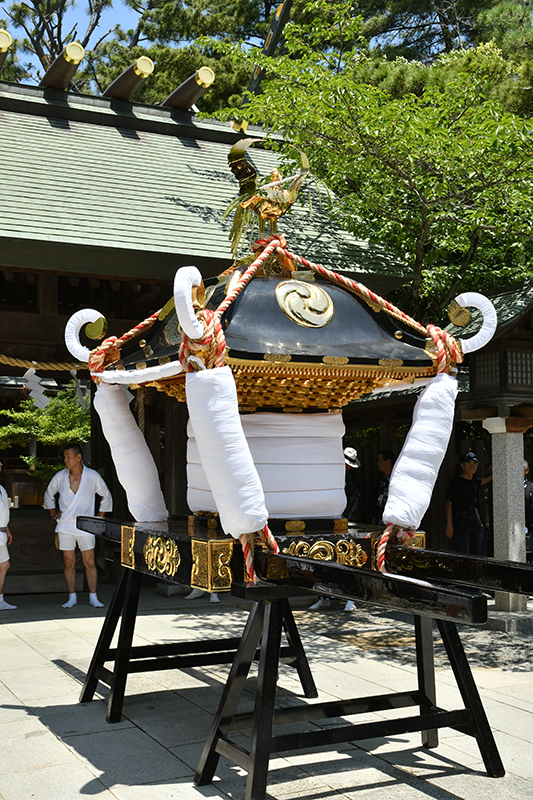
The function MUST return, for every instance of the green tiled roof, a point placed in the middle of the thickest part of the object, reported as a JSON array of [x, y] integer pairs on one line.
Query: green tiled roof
[[511, 304], [93, 172]]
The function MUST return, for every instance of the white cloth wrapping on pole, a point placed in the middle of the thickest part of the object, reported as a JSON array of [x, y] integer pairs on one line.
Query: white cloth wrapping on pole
[[76, 504], [299, 459], [133, 461], [224, 452], [415, 472]]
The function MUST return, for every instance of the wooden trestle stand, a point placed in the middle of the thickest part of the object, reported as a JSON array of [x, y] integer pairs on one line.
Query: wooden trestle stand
[[264, 626], [177, 655], [430, 586]]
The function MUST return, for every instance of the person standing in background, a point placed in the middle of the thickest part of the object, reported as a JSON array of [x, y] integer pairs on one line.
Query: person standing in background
[[385, 464], [77, 486], [351, 486], [463, 522], [5, 540]]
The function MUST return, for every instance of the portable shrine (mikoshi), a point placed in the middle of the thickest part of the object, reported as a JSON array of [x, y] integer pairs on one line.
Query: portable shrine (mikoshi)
[[266, 356]]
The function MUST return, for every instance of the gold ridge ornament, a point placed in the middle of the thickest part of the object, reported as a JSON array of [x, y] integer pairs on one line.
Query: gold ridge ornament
[[305, 304]]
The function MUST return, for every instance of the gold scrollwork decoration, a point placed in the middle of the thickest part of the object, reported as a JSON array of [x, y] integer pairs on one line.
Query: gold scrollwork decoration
[[222, 576], [305, 304], [319, 551], [161, 555], [350, 553], [345, 551], [200, 564]]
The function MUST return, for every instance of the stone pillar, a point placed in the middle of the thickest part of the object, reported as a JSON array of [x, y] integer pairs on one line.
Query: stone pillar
[[508, 498]]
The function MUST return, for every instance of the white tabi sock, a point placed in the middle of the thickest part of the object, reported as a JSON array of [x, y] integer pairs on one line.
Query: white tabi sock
[[94, 601], [72, 600], [3, 605]]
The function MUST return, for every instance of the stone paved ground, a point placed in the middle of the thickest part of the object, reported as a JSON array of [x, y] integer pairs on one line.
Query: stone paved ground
[[54, 748]]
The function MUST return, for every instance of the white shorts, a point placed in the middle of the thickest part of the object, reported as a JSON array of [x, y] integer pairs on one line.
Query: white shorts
[[4, 552], [68, 541]]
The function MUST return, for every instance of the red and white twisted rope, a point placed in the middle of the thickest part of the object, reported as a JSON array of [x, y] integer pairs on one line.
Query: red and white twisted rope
[[268, 539], [97, 356], [213, 338], [248, 555], [401, 534], [445, 344]]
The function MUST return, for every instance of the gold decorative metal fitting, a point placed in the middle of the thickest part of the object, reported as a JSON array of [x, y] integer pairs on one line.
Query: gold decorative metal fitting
[[164, 360], [337, 361], [161, 555], [127, 546], [143, 67], [307, 305], [390, 362], [96, 330], [282, 358], [344, 551], [457, 315], [6, 40], [295, 526], [73, 53], [142, 342], [340, 524], [211, 567], [204, 77], [140, 365], [198, 296], [398, 334], [167, 308]]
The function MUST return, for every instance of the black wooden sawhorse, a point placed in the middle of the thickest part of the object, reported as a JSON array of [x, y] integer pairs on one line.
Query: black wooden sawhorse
[[177, 655], [264, 626]]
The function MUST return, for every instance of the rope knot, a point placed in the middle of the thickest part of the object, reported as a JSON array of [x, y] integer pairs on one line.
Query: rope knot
[[448, 354], [258, 245], [98, 355], [211, 348], [395, 535]]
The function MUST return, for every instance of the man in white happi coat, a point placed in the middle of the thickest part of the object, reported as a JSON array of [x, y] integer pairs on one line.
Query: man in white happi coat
[[77, 486], [5, 539]]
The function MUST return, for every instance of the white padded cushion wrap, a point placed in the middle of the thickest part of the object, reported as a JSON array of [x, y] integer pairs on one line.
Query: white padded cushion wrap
[[133, 461], [415, 472], [225, 457], [299, 459]]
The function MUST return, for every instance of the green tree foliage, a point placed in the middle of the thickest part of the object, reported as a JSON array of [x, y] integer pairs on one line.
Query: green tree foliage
[[45, 31], [422, 29], [444, 178], [63, 420]]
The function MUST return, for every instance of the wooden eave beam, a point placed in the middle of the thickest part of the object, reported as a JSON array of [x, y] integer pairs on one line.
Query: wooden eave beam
[[43, 330], [101, 262]]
